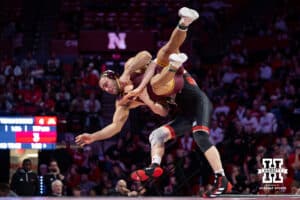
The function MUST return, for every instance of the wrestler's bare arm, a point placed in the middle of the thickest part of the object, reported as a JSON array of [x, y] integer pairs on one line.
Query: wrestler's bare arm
[[119, 119], [139, 61], [156, 107], [146, 79]]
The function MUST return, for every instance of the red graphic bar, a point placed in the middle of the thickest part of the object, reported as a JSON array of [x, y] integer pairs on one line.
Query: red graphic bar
[[34, 137], [45, 120]]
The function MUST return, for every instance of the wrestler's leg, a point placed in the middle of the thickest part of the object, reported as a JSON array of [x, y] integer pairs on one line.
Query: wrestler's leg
[[177, 37], [157, 139], [201, 136], [163, 83], [213, 157]]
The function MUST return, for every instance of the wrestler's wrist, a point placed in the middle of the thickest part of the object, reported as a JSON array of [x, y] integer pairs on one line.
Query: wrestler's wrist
[[93, 137], [155, 105], [150, 103]]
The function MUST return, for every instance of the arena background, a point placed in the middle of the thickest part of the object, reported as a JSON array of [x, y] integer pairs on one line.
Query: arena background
[[244, 55]]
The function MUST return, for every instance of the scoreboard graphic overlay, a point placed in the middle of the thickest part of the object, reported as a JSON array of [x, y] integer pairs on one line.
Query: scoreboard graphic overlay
[[37, 132]]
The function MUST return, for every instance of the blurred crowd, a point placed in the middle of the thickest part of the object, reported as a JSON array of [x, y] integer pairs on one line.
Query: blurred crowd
[[256, 114]]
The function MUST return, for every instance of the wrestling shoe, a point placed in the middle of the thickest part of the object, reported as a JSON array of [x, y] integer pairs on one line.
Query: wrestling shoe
[[176, 59], [221, 186], [153, 171], [187, 15]]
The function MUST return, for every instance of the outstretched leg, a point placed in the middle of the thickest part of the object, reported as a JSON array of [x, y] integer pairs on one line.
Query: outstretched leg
[[201, 136], [163, 83], [187, 16]]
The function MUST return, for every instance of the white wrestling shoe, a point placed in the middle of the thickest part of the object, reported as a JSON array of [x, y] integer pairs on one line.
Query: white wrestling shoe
[[177, 59], [187, 15]]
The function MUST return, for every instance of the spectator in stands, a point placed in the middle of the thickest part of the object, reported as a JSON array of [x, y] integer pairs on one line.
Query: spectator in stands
[[267, 121], [24, 181], [170, 188], [216, 133], [28, 63], [280, 24], [43, 169], [187, 142], [236, 177], [121, 190], [8, 70], [76, 191], [72, 178], [240, 112], [17, 71], [5, 191], [253, 183], [48, 103], [250, 122], [265, 72], [285, 146], [238, 58], [294, 160], [54, 174], [86, 185], [57, 188], [92, 107], [229, 75], [221, 108], [62, 98], [77, 104], [91, 76], [53, 67]]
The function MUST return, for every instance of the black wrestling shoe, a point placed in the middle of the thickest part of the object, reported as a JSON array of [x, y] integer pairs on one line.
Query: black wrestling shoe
[[154, 171], [221, 186]]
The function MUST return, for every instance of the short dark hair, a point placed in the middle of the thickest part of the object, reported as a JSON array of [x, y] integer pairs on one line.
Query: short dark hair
[[109, 74], [25, 161]]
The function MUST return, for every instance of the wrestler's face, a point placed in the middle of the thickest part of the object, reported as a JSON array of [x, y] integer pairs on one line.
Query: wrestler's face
[[108, 85]]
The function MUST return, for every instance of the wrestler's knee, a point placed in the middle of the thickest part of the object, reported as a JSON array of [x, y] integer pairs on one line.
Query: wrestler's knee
[[159, 136], [166, 51], [202, 140]]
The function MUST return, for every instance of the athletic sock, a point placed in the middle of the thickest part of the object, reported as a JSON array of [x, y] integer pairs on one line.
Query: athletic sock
[[156, 159], [220, 172]]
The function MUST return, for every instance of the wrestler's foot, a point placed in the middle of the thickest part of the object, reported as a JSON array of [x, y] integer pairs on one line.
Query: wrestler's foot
[[221, 186], [154, 171], [187, 16], [177, 59]]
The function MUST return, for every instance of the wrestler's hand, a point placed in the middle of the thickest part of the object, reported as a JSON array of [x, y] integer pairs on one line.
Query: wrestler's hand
[[144, 96], [134, 93], [84, 139], [124, 101], [134, 104]]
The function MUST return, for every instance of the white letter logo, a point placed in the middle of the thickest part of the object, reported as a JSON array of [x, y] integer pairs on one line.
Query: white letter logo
[[272, 170], [116, 41]]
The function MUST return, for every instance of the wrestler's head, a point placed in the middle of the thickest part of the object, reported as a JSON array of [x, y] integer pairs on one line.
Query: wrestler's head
[[109, 82]]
